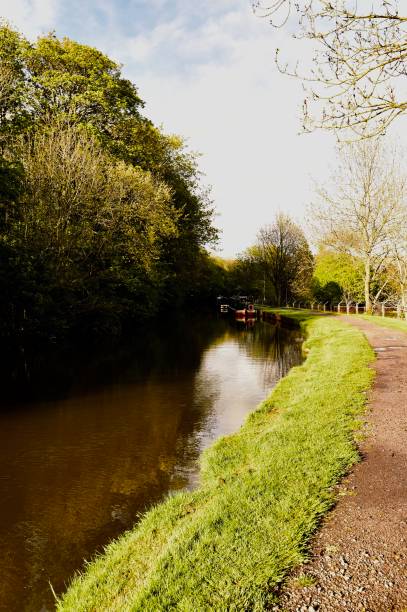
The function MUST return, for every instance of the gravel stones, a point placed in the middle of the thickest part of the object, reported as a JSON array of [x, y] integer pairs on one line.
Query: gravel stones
[[358, 560]]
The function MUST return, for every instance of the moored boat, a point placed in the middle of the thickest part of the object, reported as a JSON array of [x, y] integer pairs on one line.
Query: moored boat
[[240, 306]]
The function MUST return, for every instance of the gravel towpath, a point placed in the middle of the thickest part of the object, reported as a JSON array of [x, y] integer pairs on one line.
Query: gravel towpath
[[358, 558]]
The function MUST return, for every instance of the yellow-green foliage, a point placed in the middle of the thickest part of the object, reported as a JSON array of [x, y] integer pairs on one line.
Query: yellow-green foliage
[[338, 276], [263, 491]]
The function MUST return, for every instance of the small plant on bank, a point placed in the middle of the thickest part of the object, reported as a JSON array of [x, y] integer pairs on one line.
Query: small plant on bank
[[303, 581]]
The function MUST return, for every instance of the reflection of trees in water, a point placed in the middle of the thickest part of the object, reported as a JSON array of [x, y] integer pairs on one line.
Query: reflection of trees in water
[[50, 371], [91, 468], [125, 435], [278, 348]]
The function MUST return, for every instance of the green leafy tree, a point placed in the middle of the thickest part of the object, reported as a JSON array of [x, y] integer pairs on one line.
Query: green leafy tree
[[338, 277], [140, 143], [247, 275], [279, 266], [14, 99], [88, 215], [79, 82], [99, 210]]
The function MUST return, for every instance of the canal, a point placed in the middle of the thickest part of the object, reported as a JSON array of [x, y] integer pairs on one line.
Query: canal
[[95, 441]]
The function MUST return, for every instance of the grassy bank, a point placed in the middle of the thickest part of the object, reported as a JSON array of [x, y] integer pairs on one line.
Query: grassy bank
[[396, 324], [263, 490]]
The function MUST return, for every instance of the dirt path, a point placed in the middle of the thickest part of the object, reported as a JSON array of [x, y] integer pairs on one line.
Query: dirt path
[[359, 557]]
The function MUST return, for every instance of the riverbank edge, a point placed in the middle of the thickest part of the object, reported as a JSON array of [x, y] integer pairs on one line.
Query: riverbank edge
[[389, 323], [228, 544]]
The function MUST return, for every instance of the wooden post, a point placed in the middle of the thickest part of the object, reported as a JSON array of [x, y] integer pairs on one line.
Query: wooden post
[[383, 309], [357, 307]]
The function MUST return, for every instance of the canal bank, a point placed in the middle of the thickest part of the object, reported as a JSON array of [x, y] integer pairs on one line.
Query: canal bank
[[97, 439], [228, 544]]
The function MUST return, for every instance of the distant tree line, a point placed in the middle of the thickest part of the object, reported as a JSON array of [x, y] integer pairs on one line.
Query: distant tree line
[[102, 217], [104, 222], [358, 225], [353, 88]]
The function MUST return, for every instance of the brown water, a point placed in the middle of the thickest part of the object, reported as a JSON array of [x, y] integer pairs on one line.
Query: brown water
[[77, 469]]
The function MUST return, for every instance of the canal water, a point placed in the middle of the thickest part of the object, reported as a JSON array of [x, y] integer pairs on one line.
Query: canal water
[[82, 455]]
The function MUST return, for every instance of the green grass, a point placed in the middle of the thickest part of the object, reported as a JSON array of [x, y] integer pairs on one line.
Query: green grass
[[226, 545], [303, 581], [390, 323], [397, 324]]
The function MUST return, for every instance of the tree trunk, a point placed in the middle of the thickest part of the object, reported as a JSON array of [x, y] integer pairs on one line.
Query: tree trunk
[[368, 305], [403, 299]]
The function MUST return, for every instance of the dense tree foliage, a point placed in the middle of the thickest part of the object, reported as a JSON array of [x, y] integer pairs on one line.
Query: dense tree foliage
[[338, 277], [246, 275], [102, 216]]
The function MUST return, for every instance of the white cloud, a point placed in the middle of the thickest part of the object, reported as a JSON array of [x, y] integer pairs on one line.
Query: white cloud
[[31, 17], [144, 46], [244, 117]]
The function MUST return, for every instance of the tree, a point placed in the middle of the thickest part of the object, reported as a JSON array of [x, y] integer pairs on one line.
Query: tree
[[90, 229], [11, 181], [99, 210], [78, 81], [285, 257], [397, 270], [364, 209], [247, 275], [13, 91], [84, 86], [339, 277], [359, 54]]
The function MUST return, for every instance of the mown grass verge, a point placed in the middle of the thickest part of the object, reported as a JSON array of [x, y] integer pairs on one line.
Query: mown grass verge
[[397, 324], [226, 545]]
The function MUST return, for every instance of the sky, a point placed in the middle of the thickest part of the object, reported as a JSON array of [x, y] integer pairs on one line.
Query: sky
[[206, 71]]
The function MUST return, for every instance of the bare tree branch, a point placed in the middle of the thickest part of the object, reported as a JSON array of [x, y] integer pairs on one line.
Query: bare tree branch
[[359, 65], [364, 210]]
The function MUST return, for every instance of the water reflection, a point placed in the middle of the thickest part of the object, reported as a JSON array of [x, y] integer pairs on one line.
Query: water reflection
[[77, 470]]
